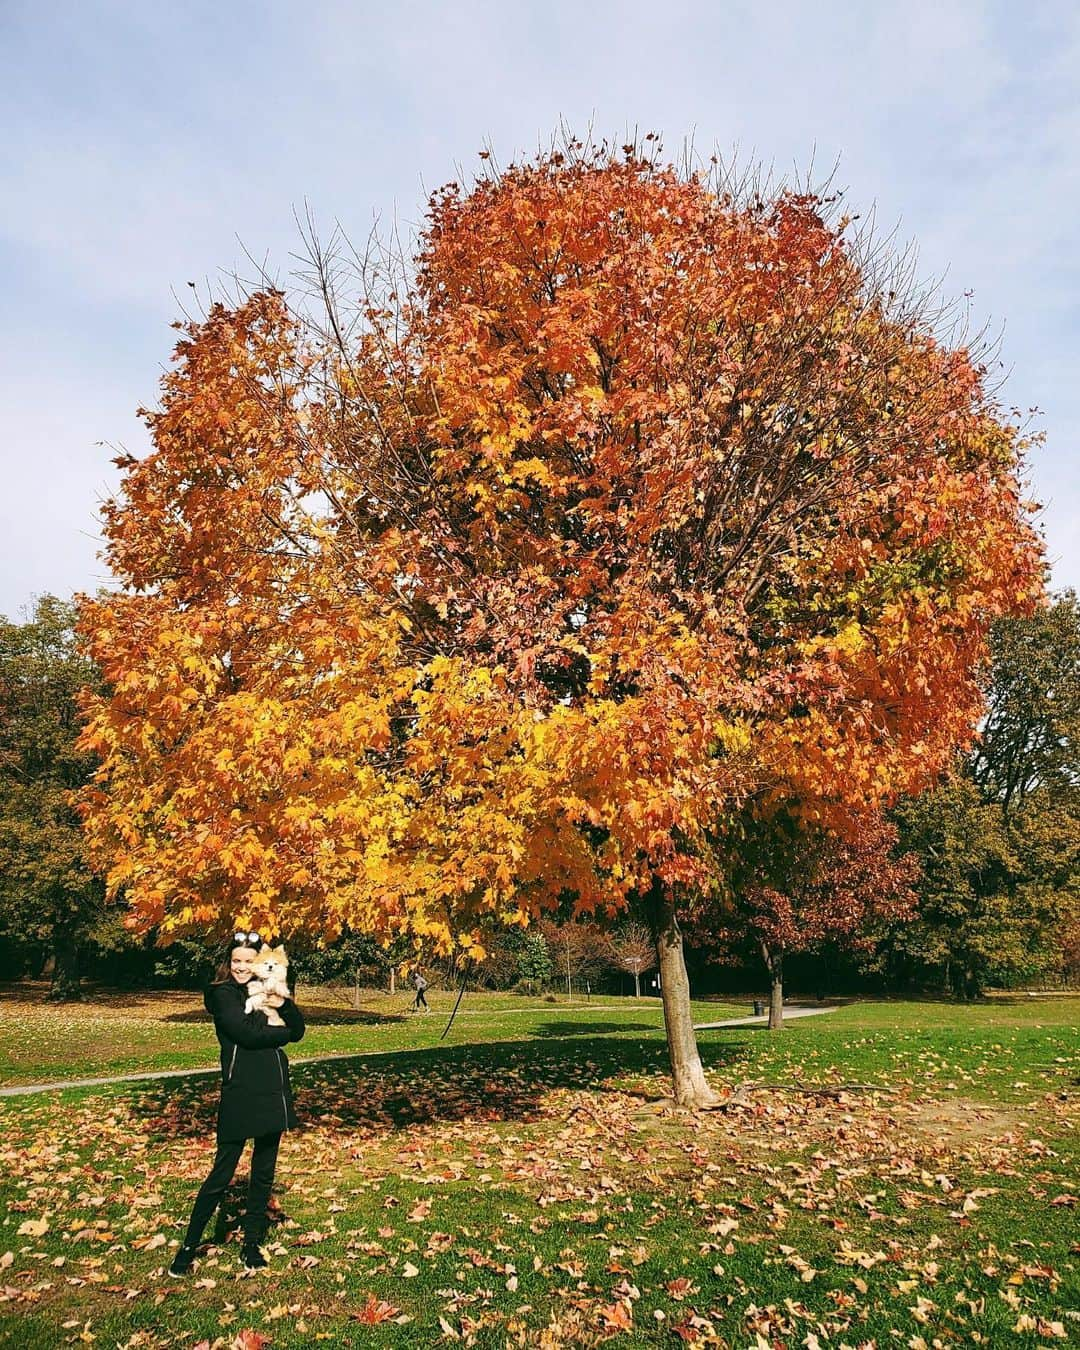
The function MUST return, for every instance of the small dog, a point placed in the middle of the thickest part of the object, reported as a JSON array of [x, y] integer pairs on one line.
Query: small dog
[[268, 977]]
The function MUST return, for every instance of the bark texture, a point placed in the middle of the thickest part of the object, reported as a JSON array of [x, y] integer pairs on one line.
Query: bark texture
[[691, 1088]]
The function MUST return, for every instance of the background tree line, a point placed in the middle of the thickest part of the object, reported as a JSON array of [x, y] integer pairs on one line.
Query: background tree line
[[990, 855]]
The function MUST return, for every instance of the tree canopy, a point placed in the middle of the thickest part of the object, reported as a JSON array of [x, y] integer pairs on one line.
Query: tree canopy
[[1030, 738], [514, 579]]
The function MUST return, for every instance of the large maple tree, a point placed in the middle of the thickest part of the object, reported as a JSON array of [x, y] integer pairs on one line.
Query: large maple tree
[[636, 505]]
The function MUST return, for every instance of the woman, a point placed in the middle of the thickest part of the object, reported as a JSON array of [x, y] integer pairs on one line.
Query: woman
[[256, 1100]]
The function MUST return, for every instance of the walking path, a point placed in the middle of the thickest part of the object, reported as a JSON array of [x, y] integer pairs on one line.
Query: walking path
[[763, 1020], [26, 1089]]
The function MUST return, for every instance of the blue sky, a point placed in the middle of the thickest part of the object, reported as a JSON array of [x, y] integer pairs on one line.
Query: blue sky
[[148, 145]]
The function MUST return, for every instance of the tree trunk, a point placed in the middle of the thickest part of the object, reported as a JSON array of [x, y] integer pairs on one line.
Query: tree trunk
[[66, 987], [356, 990], [393, 979], [569, 991], [688, 1077], [637, 984], [775, 963]]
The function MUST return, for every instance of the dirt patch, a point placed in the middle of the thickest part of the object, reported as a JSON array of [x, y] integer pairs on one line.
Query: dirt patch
[[960, 1122]]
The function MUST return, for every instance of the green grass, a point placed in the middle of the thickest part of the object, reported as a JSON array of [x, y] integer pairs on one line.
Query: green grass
[[1004, 1050], [538, 1189], [141, 1033]]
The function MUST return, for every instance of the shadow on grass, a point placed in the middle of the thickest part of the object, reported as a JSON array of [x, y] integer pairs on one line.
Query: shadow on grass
[[595, 1028], [372, 1094], [316, 1015], [92, 995]]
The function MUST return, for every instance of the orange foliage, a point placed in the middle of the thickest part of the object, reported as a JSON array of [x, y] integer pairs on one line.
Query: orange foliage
[[644, 503]]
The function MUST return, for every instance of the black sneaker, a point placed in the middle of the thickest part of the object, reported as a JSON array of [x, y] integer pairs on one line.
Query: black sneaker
[[253, 1258], [181, 1262]]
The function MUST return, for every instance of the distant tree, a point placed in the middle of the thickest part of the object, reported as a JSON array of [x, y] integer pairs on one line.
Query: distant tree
[[800, 889], [352, 960], [632, 949], [1070, 943], [534, 961], [578, 950], [999, 843], [1031, 736], [963, 924], [995, 893], [1045, 838], [49, 896], [499, 968]]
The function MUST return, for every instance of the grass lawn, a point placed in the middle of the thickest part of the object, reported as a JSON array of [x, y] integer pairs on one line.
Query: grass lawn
[[526, 1182], [114, 1034]]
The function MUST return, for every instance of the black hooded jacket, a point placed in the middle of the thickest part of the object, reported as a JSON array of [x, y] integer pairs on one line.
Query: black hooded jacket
[[256, 1097]]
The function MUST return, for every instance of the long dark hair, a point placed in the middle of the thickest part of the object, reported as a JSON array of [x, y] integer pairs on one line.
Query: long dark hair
[[248, 938]]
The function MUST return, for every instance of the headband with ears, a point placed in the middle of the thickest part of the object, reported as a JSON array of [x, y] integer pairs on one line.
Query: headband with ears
[[245, 938]]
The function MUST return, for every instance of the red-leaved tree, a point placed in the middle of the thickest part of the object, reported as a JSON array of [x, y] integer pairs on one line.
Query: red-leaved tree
[[797, 889]]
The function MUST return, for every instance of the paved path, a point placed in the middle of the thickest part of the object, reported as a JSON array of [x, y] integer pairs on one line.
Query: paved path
[[26, 1089], [763, 1020]]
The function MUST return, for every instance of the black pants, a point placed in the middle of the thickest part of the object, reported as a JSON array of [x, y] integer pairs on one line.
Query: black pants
[[419, 1001], [263, 1162]]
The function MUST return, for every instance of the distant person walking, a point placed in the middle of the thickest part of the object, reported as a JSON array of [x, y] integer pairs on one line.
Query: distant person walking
[[256, 1100], [420, 985]]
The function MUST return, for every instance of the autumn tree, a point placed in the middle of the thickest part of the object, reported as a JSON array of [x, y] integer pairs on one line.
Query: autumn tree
[[644, 498], [798, 889], [632, 949]]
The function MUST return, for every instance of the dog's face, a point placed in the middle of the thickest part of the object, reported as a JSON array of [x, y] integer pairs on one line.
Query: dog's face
[[270, 964]]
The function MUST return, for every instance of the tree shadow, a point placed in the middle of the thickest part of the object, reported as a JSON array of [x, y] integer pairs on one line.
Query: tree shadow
[[373, 1095], [316, 1015], [96, 996], [594, 1028]]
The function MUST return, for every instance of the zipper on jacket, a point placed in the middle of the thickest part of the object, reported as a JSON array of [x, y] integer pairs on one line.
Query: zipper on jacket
[[232, 1066], [284, 1103]]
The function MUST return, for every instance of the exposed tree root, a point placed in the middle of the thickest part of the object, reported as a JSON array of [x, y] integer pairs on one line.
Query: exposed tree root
[[740, 1095]]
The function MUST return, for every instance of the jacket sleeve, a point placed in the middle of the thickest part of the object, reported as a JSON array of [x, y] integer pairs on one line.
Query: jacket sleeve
[[294, 1019], [251, 1031]]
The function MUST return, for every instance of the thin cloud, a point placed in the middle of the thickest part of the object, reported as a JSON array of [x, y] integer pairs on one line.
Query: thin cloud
[[175, 138]]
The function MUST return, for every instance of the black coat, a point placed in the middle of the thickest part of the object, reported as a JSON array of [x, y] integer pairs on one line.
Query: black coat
[[256, 1097]]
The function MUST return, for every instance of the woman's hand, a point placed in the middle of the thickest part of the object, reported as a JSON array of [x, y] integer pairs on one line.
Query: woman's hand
[[274, 1000]]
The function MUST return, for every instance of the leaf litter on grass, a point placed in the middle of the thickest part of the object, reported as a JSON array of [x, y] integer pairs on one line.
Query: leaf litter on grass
[[521, 1200]]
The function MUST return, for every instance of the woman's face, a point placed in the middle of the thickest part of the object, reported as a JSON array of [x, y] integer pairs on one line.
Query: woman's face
[[240, 964]]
